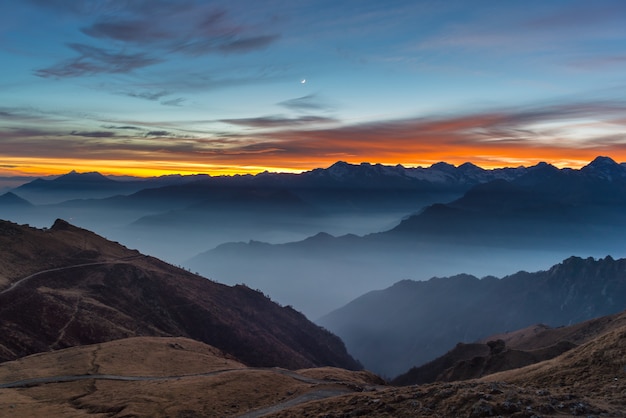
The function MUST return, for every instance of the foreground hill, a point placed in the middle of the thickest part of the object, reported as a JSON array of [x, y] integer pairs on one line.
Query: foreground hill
[[589, 380], [411, 323], [158, 377], [66, 287], [178, 377], [510, 350]]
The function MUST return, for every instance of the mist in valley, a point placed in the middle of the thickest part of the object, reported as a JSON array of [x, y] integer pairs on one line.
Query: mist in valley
[[317, 245]]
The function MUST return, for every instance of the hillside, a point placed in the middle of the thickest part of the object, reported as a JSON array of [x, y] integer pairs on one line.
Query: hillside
[[510, 350], [159, 377], [66, 286], [149, 376], [589, 380], [411, 323]]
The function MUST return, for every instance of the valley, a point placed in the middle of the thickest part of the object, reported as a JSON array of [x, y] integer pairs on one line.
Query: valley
[[440, 280]]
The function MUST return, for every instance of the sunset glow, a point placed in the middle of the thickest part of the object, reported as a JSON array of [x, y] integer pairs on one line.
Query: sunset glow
[[149, 88]]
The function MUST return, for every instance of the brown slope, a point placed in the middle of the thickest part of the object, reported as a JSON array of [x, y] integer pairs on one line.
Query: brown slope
[[540, 335], [173, 377], [99, 291], [471, 361], [508, 351], [589, 380]]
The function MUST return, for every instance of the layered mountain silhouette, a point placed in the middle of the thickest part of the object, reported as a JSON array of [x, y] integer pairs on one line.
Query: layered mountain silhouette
[[74, 185], [10, 200], [544, 204], [532, 221], [412, 322], [66, 286]]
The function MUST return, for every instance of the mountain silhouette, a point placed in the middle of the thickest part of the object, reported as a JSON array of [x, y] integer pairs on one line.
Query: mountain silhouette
[[412, 322]]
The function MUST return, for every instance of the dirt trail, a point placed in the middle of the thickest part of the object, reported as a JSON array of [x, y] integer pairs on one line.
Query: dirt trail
[[21, 281]]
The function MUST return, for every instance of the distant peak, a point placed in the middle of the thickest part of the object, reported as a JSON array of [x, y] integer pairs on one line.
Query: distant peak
[[11, 199], [470, 168], [606, 168], [543, 166], [602, 162], [340, 164], [469, 165], [75, 173], [340, 169], [442, 166]]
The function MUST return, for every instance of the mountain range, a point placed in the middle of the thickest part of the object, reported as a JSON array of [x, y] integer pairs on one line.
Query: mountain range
[[413, 322], [532, 221], [351, 228]]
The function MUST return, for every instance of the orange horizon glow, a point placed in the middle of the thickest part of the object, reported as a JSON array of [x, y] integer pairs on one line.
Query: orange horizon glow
[[575, 158]]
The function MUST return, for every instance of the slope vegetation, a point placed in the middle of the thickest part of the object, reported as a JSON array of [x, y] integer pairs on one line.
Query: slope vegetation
[[159, 377], [66, 286]]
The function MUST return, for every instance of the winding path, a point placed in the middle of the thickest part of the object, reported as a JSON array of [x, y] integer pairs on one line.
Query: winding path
[[306, 397], [71, 378], [21, 281]]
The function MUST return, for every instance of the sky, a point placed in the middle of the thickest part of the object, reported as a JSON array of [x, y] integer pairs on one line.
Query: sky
[[150, 87]]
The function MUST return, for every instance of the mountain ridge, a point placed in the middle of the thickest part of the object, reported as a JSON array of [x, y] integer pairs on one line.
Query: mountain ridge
[[468, 308], [66, 286]]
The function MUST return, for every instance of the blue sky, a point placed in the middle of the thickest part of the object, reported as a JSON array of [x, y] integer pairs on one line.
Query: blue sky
[[150, 87]]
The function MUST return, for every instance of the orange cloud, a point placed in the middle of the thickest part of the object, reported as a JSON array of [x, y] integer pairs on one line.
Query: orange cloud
[[564, 135]]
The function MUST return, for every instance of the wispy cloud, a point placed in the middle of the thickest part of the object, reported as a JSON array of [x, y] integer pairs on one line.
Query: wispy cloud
[[158, 133], [140, 34], [579, 130], [310, 102], [147, 95], [173, 102], [92, 60], [132, 128], [93, 134], [279, 121]]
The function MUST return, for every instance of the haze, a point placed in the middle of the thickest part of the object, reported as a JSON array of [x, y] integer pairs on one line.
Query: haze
[[317, 150]]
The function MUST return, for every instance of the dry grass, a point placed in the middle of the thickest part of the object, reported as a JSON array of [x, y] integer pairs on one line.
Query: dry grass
[[139, 356], [233, 390], [341, 375], [589, 380]]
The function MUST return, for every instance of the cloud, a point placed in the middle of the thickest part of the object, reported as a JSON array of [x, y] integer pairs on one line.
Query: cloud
[[147, 95], [138, 34], [577, 17], [278, 121], [247, 44], [310, 102], [553, 132], [93, 60], [596, 63], [132, 128], [158, 133], [192, 30], [93, 134], [173, 102]]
